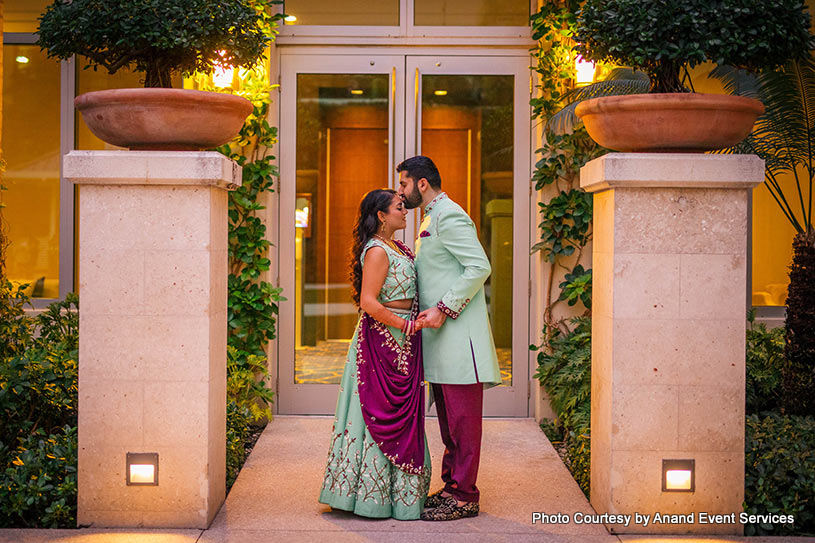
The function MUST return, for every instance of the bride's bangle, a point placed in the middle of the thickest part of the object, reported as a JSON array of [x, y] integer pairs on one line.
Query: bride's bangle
[[409, 327]]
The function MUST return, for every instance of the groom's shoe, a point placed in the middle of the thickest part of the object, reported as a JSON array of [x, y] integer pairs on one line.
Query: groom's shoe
[[434, 500], [451, 510]]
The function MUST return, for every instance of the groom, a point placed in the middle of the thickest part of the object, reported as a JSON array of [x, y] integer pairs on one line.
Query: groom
[[457, 345]]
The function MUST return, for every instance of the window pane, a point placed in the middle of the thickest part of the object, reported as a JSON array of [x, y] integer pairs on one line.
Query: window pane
[[471, 13], [31, 150], [477, 173], [342, 153], [348, 12], [22, 15], [772, 246]]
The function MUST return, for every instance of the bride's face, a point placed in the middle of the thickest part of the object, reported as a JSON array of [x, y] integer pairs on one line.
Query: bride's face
[[396, 216]]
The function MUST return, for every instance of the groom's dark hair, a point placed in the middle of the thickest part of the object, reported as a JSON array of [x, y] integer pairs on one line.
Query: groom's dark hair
[[420, 166]]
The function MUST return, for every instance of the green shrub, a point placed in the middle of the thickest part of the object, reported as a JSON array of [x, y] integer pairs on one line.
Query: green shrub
[[38, 399], [247, 408], [565, 374], [780, 472], [157, 37], [765, 356], [663, 37], [38, 484]]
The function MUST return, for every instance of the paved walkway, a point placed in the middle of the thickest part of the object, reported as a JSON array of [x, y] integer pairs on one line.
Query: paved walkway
[[275, 497]]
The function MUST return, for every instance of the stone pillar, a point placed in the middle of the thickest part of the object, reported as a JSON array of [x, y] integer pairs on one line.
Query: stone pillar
[[152, 328], [668, 333]]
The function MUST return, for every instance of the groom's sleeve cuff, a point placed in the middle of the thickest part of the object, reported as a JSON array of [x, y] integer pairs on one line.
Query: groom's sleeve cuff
[[447, 311]]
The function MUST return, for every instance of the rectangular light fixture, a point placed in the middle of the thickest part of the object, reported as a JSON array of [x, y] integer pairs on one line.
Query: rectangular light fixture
[[357, 92], [440, 93], [142, 469], [678, 475]]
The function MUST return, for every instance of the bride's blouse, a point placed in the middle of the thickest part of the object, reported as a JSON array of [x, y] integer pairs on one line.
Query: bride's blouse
[[400, 283]]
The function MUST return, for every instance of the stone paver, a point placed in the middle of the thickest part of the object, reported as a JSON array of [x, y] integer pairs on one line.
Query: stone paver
[[520, 473]]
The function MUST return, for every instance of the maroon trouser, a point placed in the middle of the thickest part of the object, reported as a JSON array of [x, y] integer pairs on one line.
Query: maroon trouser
[[459, 410]]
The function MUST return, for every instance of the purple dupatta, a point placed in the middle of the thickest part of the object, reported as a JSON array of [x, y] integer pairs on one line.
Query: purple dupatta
[[390, 380]]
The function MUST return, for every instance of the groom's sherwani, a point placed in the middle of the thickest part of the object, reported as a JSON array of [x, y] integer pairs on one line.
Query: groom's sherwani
[[458, 357], [452, 267]]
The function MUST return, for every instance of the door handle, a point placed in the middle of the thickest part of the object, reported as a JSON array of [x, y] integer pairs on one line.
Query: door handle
[[416, 127], [392, 138]]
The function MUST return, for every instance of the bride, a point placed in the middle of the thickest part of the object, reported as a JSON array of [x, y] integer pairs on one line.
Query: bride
[[378, 462]]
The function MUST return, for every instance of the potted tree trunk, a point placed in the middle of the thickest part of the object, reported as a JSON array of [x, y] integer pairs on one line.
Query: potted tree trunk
[[663, 39], [159, 38]]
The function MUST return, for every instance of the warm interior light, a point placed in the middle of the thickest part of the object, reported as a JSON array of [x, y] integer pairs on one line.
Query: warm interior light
[[440, 93], [301, 218], [223, 75], [678, 475], [290, 18], [584, 70], [356, 91], [142, 469], [677, 479], [142, 473], [22, 59]]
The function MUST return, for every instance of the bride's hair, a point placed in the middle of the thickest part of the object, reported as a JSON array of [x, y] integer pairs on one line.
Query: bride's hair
[[368, 224]]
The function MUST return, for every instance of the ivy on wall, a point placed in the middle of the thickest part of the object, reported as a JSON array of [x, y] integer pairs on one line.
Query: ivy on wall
[[564, 354], [252, 304], [565, 227]]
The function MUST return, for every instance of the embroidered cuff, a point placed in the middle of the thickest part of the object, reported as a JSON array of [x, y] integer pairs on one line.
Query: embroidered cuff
[[447, 311]]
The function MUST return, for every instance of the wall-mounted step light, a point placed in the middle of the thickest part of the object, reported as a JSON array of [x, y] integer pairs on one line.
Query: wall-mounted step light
[[678, 475], [142, 469]]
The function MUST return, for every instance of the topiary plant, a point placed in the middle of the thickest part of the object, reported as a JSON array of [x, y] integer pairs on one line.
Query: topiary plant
[[157, 37], [664, 37]]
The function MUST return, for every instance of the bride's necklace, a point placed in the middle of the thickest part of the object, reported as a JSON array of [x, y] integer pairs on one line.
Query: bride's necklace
[[390, 243]]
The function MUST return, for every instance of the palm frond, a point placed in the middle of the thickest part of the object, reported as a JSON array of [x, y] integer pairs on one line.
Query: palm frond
[[735, 81], [620, 81], [784, 136]]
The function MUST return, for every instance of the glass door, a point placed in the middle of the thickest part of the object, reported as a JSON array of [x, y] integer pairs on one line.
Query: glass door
[[346, 122], [342, 135], [471, 116]]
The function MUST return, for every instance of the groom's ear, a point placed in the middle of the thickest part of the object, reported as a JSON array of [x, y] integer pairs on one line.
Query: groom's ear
[[422, 184]]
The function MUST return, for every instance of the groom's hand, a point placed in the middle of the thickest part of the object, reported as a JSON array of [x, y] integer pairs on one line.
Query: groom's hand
[[433, 318]]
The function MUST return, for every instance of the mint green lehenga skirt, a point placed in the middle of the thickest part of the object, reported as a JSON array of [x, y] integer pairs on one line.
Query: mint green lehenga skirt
[[358, 477]]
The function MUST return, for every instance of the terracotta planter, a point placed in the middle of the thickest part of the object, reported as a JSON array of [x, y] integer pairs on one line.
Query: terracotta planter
[[163, 119], [685, 123]]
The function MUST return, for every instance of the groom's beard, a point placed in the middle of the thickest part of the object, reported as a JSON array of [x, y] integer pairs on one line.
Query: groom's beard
[[414, 199]]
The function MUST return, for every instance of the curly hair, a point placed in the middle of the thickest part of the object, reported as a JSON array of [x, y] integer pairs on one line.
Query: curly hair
[[368, 224]]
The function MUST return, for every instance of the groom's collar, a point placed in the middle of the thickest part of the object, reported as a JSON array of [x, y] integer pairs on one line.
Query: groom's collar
[[440, 196]]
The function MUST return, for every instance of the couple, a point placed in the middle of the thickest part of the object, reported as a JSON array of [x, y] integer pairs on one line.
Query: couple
[[378, 462]]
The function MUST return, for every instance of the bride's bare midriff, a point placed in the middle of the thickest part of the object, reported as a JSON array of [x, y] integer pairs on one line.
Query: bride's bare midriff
[[399, 304]]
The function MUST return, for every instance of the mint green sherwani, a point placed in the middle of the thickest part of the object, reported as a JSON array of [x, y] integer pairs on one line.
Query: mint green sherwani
[[452, 267]]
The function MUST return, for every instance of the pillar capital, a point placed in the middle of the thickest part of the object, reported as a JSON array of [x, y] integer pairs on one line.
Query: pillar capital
[[671, 170], [177, 168]]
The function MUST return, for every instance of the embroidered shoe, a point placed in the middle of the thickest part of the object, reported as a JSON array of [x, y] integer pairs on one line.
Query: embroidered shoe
[[451, 510], [434, 500]]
